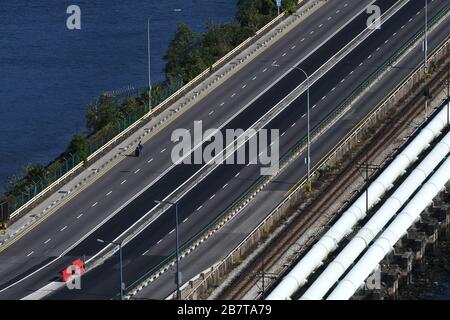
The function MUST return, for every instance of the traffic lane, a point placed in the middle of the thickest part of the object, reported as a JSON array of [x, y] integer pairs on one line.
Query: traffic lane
[[92, 238], [362, 74], [110, 179], [289, 49], [78, 253], [220, 244], [140, 206], [344, 124], [215, 182]]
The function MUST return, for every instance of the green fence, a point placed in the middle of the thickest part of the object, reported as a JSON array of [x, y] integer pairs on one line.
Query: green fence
[[59, 168], [292, 152]]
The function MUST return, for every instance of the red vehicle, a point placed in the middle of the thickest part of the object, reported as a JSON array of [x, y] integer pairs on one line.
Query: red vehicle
[[76, 268]]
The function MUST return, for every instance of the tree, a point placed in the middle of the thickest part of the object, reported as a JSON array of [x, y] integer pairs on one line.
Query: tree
[[79, 146], [105, 112], [35, 172], [179, 48], [131, 106]]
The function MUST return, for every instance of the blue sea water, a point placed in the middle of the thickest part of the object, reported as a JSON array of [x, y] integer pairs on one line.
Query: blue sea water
[[49, 74]]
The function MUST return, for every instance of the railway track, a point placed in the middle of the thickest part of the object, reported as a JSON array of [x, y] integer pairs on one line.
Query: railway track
[[278, 246]]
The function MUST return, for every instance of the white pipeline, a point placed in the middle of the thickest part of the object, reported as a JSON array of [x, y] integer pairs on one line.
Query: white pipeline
[[372, 228], [396, 230], [297, 277]]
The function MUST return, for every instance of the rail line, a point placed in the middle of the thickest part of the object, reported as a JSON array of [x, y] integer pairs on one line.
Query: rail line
[[278, 246]]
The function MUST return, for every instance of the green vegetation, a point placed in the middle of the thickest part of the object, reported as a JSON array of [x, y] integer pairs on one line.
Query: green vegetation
[[191, 53], [79, 146], [188, 55]]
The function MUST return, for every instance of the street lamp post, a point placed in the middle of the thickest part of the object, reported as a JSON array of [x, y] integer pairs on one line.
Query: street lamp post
[[149, 75], [308, 160], [121, 264], [177, 247], [425, 49]]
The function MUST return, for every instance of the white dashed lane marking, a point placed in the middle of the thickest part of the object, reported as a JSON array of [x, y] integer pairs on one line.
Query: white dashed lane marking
[[243, 87], [198, 209], [222, 104], [185, 220], [225, 186], [163, 150], [47, 241], [94, 204], [265, 69], [211, 112], [233, 95], [172, 231], [79, 216], [109, 193], [159, 241], [137, 171], [254, 78], [150, 160], [30, 253], [64, 228], [123, 181]]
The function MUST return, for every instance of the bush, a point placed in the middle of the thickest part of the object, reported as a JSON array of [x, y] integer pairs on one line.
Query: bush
[[79, 146]]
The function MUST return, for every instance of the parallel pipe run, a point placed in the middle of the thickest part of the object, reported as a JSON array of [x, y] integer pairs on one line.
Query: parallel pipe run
[[297, 277], [376, 224], [396, 230]]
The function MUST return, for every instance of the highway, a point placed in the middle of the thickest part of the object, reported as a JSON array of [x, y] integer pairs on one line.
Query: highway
[[205, 201]]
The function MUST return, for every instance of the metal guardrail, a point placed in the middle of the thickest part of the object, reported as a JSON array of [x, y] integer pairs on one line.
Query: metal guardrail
[[293, 152], [74, 163]]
